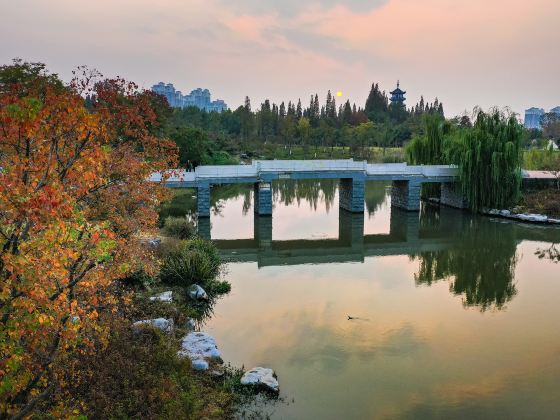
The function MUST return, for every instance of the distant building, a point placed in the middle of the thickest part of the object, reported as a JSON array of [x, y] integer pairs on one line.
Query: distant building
[[397, 96], [199, 98], [533, 117]]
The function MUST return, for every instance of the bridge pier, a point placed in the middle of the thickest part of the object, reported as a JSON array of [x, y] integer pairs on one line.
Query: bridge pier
[[203, 200], [406, 194], [452, 196], [405, 225], [351, 228], [203, 228], [351, 194], [263, 232], [263, 198]]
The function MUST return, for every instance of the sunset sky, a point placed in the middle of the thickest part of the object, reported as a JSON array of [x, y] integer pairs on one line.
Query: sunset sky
[[467, 53]]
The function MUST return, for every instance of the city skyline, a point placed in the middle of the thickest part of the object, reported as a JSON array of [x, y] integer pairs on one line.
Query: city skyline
[[466, 54], [200, 98]]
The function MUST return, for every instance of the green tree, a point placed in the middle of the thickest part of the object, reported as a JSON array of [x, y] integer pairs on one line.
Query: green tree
[[365, 133], [489, 158], [303, 130], [377, 104]]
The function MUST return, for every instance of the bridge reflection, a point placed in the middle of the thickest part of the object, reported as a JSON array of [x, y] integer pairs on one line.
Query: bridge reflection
[[432, 231], [406, 237]]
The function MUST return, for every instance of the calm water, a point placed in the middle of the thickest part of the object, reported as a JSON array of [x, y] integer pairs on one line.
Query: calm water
[[458, 316]]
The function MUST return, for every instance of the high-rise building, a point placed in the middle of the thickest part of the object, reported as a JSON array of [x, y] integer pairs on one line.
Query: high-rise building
[[199, 98], [533, 117]]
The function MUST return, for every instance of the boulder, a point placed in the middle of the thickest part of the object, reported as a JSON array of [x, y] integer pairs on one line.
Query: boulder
[[505, 213], [154, 242], [199, 364], [200, 348], [262, 378], [197, 292], [165, 325], [163, 297]]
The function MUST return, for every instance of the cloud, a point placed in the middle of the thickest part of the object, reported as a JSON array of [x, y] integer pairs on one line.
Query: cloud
[[289, 8]]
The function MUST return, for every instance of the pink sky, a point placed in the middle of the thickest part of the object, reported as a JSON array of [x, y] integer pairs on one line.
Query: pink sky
[[480, 52]]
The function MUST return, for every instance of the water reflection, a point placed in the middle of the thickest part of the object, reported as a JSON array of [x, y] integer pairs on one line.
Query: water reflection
[[480, 266], [286, 192], [415, 352], [477, 256]]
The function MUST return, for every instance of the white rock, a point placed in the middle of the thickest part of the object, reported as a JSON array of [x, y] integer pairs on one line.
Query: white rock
[[555, 221], [199, 347], [197, 292], [260, 376], [199, 364], [163, 297], [505, 213], [165, 325], [533, 218]]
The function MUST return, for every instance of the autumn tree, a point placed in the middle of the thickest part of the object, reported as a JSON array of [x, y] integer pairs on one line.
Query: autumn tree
[[74, 197]]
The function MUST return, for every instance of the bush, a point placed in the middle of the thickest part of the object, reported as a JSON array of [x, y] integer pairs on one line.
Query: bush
[[179, 227], [140, 279], [135, 376], [141, 376], [191, 262]]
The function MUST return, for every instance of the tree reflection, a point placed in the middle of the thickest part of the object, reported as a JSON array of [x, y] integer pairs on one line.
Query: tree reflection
[[552, 253], [375, 195], [183, 202], [480, 266], [314, 192]]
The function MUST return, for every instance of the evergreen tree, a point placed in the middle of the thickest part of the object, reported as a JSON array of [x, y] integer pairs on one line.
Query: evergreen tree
[[299, 112], [376, 104], [291, 110], [347, 114], [246, 119]]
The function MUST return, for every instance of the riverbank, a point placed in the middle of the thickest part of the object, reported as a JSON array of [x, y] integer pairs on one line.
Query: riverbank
[[546, 201]]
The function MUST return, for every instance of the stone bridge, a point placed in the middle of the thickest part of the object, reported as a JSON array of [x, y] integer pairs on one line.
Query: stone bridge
[[406, 181]]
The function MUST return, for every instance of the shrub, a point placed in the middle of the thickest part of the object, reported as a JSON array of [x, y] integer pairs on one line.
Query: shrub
[[179, 227], [135, 376], [141, 376], [195, 261], [140, 279]]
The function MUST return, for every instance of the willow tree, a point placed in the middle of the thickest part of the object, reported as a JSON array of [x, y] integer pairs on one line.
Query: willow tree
[[429, 149], [489, 158]]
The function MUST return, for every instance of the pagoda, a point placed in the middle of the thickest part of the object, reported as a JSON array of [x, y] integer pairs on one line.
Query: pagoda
[[397, 96]]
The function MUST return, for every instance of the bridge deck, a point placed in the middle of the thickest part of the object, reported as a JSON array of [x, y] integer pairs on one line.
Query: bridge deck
[[270, 170]]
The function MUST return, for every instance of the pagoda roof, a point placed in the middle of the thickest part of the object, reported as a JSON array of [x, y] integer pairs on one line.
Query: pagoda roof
[[398, 90]]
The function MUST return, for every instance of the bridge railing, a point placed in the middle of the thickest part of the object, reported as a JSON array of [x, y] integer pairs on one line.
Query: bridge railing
[[386, 168], [226, 171], [309, 165]]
